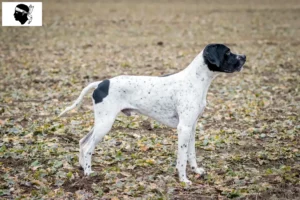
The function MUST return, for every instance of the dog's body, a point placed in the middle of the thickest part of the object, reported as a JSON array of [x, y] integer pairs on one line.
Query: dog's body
[[176, 101]]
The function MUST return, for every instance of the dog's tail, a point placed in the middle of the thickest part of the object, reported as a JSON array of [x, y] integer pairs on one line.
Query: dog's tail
[[79, 99]]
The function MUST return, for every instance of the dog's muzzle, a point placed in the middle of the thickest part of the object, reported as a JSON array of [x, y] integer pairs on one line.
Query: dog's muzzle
[[242, 60]]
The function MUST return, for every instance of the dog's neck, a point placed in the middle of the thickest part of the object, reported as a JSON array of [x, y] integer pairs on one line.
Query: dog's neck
[[199, 70]]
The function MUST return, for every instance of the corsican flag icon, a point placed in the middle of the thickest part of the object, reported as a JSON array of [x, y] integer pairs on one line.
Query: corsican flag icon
[[22, 13]]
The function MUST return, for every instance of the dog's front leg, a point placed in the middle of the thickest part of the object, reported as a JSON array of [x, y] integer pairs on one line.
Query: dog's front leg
[[184, 134], [192, 154]]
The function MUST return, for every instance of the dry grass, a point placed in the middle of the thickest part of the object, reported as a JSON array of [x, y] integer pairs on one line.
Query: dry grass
[[248, 138]]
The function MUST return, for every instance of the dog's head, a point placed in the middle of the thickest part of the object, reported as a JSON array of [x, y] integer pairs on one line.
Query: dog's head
[[219, 58]]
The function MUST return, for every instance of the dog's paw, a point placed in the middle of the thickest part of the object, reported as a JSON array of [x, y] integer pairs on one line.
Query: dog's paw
[[200, 171], [81, 164], [186, 182], [88, 172]]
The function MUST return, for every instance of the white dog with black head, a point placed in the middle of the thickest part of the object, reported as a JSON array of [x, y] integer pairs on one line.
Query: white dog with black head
[[175, 100]]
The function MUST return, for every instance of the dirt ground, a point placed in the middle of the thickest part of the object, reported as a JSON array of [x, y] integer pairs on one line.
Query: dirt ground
[[248, 138]]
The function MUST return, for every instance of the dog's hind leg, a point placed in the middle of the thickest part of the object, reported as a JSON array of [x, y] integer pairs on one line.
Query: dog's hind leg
[[82, 143], [88, 143]]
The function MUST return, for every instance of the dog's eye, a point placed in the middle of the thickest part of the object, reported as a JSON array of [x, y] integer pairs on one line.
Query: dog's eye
[[228, 53]]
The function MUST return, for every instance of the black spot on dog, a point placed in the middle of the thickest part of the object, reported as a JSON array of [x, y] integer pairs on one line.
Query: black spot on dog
[[193, 167], [101, 92]]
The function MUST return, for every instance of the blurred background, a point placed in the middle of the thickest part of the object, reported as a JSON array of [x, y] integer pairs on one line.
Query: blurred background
[[248, 138]]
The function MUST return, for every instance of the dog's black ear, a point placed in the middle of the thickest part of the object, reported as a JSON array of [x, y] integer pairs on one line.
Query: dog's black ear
[[213, 54]]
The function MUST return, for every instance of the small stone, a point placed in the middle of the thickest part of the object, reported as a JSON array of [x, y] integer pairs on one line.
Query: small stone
[[160, 43]]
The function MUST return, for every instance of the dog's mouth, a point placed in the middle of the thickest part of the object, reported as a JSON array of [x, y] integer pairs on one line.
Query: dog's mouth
[[240, 68], [241, 60]]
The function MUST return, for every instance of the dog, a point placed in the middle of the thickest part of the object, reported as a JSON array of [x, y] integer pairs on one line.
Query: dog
[[175, 100]]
